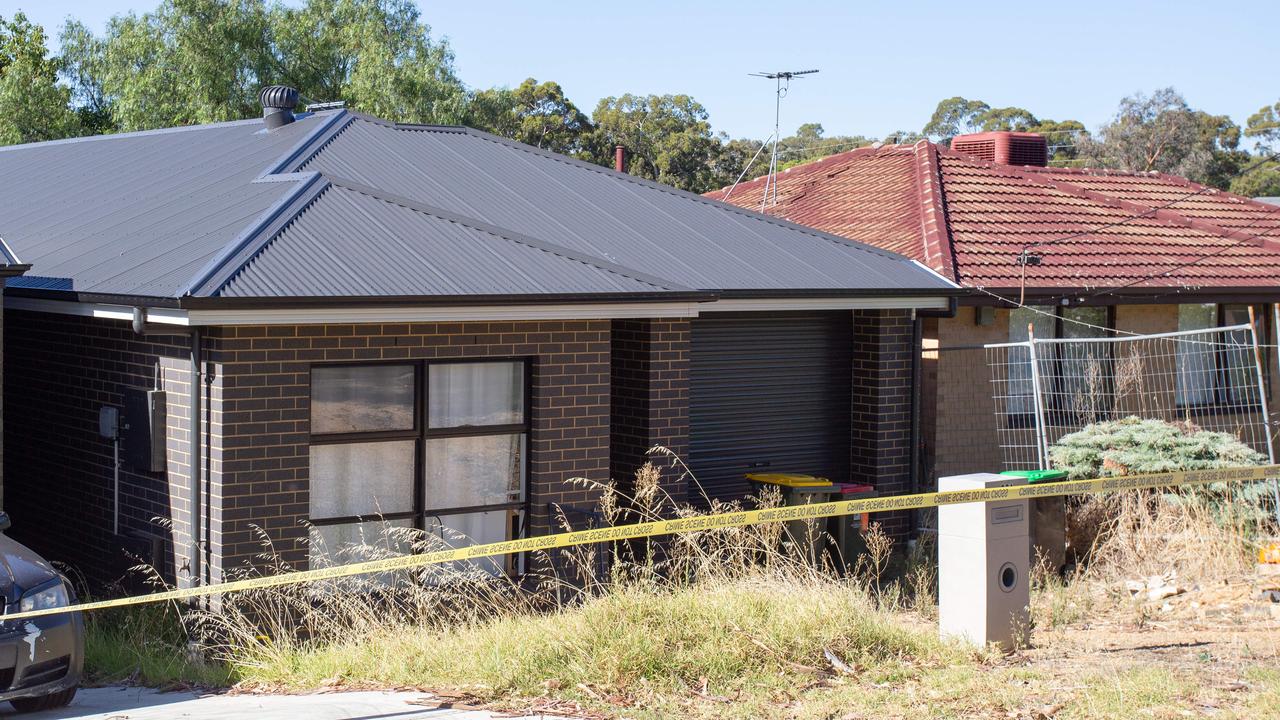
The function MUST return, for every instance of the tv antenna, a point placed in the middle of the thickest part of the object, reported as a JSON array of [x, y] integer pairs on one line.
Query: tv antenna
[[783, 84]]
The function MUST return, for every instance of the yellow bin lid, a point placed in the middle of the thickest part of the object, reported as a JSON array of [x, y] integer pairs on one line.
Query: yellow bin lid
[[789, 479]]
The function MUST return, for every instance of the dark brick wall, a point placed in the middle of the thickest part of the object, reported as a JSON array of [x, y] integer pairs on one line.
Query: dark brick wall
[[881, 443], [650, 377], [59, 370], [261, 414]]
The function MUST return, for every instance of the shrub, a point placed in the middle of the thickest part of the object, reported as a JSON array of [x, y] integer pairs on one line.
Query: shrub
[[1134, 445]]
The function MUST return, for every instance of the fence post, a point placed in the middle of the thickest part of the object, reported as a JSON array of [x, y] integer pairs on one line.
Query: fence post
[[1266, 413], [1042, 439]]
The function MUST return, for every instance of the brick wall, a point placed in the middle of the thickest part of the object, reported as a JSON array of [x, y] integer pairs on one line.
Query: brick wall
[[59, 370], [965, 438], [882, 390], [256, 419], [261, 416], [650, 376]]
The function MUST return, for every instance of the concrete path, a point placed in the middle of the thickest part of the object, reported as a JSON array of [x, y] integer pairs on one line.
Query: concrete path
[[119, 703]]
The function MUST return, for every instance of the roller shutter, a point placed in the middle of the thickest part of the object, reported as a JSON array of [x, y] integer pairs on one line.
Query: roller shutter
[[768, 392]]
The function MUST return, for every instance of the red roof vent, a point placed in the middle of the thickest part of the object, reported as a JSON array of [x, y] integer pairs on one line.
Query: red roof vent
[[1004, 148]]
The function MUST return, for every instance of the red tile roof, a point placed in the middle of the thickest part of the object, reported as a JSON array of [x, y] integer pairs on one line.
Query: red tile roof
[[969, 220]]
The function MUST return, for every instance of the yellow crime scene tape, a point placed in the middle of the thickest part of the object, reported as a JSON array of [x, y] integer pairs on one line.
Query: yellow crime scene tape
[[684, 525]]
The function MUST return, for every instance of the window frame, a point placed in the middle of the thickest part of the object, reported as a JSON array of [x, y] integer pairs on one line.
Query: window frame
[[420, 433], [1056, 393], [1222, 401]]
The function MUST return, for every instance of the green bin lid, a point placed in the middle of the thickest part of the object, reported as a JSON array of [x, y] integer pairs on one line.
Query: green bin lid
[[1037, 476]]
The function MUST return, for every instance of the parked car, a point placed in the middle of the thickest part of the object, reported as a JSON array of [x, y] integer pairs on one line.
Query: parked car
[[41, 658]]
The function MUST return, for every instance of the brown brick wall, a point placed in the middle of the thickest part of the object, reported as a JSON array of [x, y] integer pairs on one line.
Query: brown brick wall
[[59, 370], [262, 421], [650, 376], [882, 390]]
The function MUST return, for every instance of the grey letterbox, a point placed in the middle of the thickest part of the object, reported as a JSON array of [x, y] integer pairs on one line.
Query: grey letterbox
[[983, 568]]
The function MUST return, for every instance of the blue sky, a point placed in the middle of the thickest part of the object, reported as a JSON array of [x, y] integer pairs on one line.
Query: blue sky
[[884, 64]]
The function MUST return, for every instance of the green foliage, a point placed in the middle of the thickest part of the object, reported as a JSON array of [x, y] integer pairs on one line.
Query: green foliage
[[668, 138], [955, 116], [1134, 445], [1264, 126], [33, 106], [534, 114], [198, 61], [1162, 133], [377, 55], [1262, 181]]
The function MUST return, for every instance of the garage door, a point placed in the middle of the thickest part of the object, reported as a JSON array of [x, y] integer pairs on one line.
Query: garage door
[[768, 392]]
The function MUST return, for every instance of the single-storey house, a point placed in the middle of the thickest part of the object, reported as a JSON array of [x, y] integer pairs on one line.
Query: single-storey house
[[1078, 252], [324, 318]]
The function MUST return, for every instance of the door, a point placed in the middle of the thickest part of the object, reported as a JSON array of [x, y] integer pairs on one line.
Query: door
[[768, 392]]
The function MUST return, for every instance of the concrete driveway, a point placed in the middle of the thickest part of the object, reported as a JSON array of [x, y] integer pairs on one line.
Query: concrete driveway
[[121, 703]]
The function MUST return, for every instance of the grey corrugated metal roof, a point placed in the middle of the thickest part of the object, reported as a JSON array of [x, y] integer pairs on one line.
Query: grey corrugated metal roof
[[421, 252], [341, 205], [693, 241], [137, 213]]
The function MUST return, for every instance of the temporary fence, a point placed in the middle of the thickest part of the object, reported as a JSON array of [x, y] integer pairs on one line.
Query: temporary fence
[[1044, 389]]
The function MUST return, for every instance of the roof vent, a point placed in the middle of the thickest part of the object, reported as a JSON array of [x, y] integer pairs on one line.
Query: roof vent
[[1004, 148], [278, 102]]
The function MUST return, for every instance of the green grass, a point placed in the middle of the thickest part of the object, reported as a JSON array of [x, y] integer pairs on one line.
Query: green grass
[[754, 640], [146, 646]]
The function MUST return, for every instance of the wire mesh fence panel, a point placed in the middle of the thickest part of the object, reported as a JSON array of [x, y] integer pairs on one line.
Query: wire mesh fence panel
[[1045, 389]]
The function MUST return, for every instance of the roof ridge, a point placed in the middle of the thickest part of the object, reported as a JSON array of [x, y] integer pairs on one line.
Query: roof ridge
[[1167, 215], [935, 224], [1033, 177], [506, 234], [1200, 188], [219, 270], [685, 194], [131, 134]]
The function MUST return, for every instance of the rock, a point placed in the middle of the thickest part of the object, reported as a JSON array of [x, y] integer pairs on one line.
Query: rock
[[1156, 594]]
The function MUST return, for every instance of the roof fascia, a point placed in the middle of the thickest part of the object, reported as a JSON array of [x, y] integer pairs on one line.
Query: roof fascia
[[104, 311]]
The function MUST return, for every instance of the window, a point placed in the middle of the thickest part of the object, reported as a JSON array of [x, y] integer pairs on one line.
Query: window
[[1072, 371], [1226, 374], [436, 446]]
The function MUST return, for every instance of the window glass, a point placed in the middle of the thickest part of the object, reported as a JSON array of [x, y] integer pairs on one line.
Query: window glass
[[331, 545], [1196, 367], [463, 394], [470, 471], [1020, 400], [1083, 387], [362, 479], [361, 398], [1240, 370], [474, 528]]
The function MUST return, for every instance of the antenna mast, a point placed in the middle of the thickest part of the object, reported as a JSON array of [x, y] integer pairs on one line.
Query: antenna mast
[[782, 80]]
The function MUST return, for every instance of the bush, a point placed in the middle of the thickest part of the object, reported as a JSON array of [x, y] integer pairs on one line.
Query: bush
[[1134, 445]]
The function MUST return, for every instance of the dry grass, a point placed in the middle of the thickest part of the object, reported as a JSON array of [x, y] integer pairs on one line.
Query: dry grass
[[744, 623]]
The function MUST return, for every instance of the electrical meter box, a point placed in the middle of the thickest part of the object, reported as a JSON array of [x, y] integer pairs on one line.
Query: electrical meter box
[[984, 551], [142, 429]]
